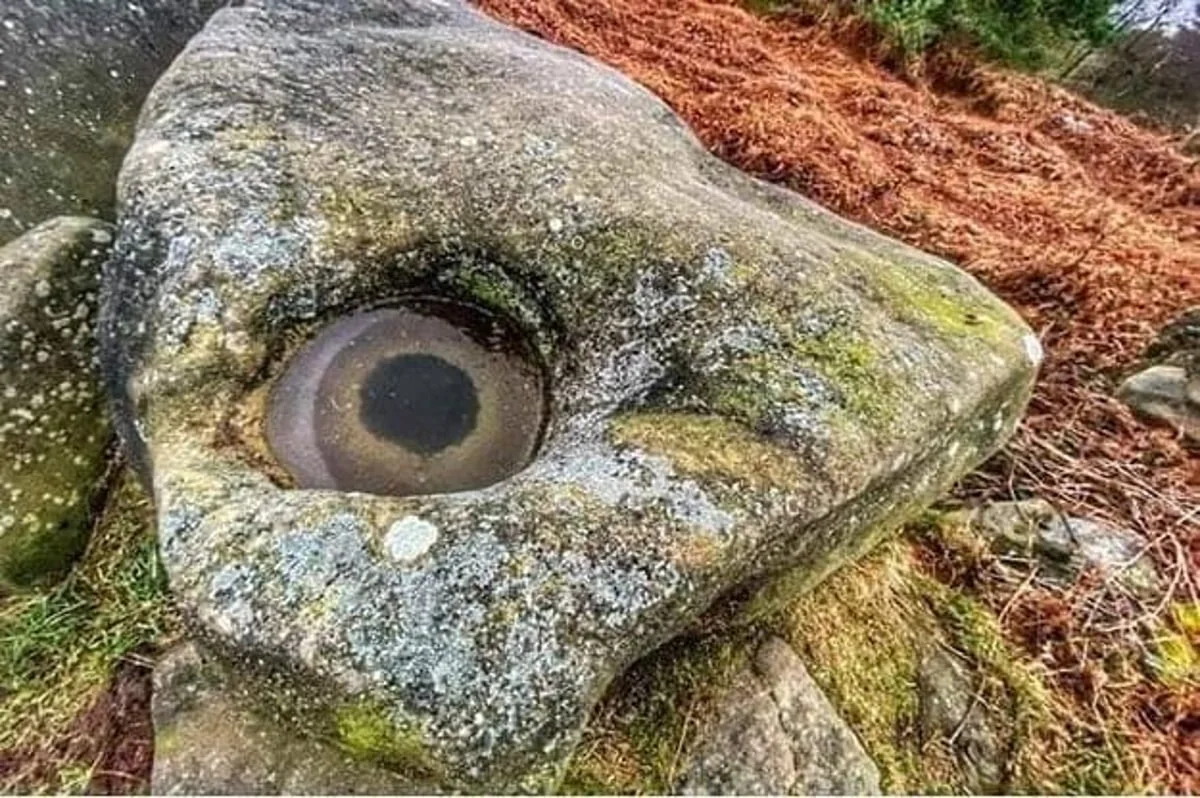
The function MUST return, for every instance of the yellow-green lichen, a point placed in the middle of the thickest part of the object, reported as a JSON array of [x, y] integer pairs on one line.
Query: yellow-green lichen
[[851, 364], [366, 731], [360, 224], [710, 448], [919, 295]]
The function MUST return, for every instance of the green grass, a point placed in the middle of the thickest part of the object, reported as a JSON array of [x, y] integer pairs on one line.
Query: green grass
[[58, 647], [638, 737], [1027, 34], [863, 633]]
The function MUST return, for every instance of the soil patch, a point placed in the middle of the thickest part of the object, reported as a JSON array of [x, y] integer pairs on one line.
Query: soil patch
[[108, 749]]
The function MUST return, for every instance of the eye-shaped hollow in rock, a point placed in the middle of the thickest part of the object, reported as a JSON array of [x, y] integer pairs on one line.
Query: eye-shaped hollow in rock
[[434, 397], [742, 386]]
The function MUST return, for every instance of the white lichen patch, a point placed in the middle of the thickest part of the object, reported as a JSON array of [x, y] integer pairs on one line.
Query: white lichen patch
[[409, 539], [53, 428], [1033, 348]]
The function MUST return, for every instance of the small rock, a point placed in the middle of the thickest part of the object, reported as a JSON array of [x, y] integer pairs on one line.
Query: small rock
[[950, 711], [53, 424], [1165, 393], [1168, 388], [777, 733], [1064, 546], [207, 741]]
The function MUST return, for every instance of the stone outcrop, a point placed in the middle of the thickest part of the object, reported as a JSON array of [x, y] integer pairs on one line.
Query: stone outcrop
[[73, 76], [776, 733], [53, 422], [741, 385]]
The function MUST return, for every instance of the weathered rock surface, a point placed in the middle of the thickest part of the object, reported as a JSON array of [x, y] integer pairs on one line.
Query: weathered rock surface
[[951, 711], [1063, 545], [53, 422], [777, 734], [742, 383], [72, 77], [1164, 393], [209, 740], [1168, 389]]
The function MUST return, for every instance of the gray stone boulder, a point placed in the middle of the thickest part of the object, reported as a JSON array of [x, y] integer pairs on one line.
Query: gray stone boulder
[[739, 385], [53, 421], [1062, 546], [73, 75], [1167, 389], [776, 733], [1167, 394], [213, 736]]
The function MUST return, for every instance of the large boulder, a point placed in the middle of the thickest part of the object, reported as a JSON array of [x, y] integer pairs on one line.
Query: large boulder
[[73, 75], [53, 421], [739, 385]]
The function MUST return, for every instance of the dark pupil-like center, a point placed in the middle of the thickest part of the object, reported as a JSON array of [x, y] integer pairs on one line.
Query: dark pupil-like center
[[421, 402]]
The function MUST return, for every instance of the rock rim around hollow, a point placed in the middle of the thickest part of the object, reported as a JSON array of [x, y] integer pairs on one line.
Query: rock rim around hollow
[[742, 386]]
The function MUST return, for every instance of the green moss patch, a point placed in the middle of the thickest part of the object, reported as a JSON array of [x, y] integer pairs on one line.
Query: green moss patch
[[863, 634], [710, 448], [1176, 658], [638, 737], [367, 732]]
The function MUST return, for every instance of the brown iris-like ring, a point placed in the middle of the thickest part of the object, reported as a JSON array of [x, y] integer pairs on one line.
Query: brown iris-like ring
[[433, 397]]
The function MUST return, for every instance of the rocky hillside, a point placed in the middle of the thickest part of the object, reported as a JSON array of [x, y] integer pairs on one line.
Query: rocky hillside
[[1086, 223]]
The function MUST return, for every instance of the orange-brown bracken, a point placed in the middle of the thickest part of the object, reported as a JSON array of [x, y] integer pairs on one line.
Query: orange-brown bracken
[[1086, 223]]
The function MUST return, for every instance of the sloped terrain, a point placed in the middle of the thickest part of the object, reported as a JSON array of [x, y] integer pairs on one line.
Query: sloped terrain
[[1087, 224]]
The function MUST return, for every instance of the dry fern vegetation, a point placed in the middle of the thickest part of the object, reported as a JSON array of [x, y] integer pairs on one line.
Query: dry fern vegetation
[[1087, 224]]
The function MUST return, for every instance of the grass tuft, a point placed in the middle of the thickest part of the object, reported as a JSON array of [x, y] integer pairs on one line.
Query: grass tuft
[[59, 648]]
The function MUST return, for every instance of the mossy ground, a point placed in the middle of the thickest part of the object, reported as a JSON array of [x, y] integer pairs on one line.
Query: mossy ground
[[59, 648], [862, 633], [637, 739]]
